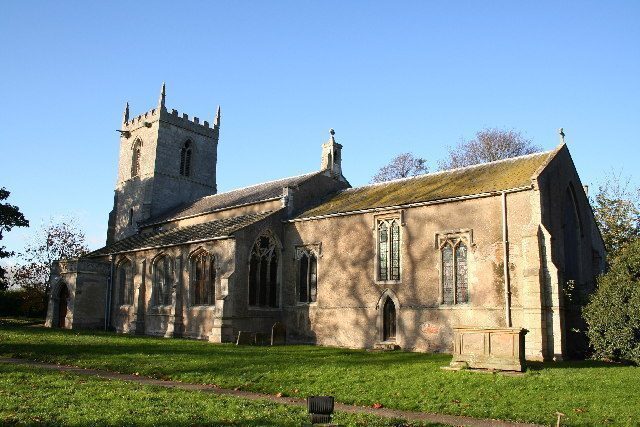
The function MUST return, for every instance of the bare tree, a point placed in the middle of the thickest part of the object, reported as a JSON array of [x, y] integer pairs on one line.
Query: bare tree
[[489, 145], [52, 242], [617, 211], [401, 166]]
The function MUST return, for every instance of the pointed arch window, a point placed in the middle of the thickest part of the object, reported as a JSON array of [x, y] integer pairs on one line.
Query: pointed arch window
[[125, 282], [203, 279], [185, 159], [263, 273], [307, 276], [135, 158], [388, 257], [453, 255], [162, 281]]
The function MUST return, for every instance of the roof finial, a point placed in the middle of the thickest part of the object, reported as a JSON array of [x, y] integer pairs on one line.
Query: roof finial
[[216, 122], [163, 95], [125, 116], [561, 132], [332, 133]]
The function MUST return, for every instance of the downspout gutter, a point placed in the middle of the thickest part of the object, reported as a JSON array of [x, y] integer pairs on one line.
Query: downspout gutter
[[505, 244], [107, 300]]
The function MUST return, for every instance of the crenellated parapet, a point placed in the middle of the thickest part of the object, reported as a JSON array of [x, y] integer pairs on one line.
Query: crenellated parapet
[[183, 120]]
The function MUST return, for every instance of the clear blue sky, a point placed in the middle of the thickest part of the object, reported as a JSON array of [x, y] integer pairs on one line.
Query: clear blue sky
[[390, 77]]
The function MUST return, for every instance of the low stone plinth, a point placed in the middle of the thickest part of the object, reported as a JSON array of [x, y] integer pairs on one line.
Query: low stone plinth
[[489, 348]]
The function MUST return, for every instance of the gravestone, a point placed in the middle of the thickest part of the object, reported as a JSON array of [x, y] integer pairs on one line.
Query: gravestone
[[245, 338], [278, 334]]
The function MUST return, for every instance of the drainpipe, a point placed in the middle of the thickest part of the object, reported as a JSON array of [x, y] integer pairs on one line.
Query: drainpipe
[[505, 244], [107, 300]]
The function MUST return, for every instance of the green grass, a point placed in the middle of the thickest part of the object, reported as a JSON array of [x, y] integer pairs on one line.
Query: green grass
[[590, 393], [30, 396]]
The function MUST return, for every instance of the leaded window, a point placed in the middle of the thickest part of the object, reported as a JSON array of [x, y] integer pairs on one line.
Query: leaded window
[[388, 249], [125, 282], [135, 158], [185, 159], [308, 277], [453, 254], [263, 273], [162, 281], [203, 279]]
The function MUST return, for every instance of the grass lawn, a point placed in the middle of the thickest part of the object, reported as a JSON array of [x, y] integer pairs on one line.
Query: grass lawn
[[30, 396], [590, 393]]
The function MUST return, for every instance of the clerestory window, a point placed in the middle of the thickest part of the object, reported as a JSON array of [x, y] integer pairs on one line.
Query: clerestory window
[[388, 250]]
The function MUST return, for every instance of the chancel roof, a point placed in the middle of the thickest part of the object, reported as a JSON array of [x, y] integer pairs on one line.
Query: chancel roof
[[177, 236], [501, 175], [242, 196]]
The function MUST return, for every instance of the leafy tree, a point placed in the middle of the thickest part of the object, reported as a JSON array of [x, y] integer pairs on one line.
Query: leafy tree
[[489, 145], [613, 313], [617, 212], [10, 216], [402, 166], [52, 242]]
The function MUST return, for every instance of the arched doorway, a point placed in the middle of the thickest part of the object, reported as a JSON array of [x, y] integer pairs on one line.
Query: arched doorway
[[63, 299], [389, 320]]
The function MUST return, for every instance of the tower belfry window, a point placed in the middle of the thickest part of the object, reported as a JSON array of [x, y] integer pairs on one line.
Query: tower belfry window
[[135, 158], [185, 159]]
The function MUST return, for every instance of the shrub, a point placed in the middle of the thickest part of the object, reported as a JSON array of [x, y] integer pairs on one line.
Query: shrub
[[29, 302], [613, 313]]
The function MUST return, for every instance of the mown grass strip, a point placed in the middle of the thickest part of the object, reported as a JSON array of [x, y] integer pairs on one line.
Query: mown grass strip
[[590, 393]]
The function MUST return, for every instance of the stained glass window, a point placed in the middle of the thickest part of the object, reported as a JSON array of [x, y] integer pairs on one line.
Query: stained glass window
[[455, 287], [388, 250], [308, 277], [461, 274]]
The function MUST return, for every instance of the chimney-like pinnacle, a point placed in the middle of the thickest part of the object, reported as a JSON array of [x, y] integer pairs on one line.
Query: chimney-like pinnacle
[[125, 116], [163, 95], [216, 122]]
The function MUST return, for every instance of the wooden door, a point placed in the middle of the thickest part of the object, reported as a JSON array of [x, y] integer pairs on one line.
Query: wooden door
[[389, 321], [63, 299]]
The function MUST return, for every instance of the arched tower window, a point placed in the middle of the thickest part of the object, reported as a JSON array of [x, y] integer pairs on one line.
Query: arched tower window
[[162, 281], [135, 158], [203, 279], [263, 273], [185, 159], [125, 282]]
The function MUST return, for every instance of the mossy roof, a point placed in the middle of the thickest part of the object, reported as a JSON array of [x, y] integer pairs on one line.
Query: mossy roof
[[478, 179], [177, 236]]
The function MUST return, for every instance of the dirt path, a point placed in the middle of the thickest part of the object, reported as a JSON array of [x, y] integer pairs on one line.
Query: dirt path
[[454, 420]]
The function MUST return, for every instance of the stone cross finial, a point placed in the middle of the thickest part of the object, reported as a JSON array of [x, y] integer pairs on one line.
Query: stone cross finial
[[163, 95], [561, 132], [125, 116]]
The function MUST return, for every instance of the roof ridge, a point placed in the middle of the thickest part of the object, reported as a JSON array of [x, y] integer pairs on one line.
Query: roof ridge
[[477, 165], [260, 183]]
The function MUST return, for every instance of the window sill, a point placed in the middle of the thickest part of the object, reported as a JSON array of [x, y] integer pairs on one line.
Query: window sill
[[454, 306], [306, 304], [202, 307], [388, 282], [258, 308]]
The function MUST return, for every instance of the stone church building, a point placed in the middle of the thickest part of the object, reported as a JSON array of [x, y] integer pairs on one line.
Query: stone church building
[[511, 243]]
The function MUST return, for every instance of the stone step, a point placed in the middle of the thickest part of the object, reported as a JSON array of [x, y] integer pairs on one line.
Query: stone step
[[386, 346]]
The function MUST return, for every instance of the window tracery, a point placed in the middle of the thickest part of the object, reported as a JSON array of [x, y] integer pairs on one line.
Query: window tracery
[[307, 275], [203, 278], [185, 159], [263, 272], [162, 281], [135, 158], [125, 282], [454, 269]]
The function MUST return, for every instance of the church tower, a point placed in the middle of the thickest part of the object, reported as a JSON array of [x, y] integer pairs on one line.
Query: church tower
[[166, 159]]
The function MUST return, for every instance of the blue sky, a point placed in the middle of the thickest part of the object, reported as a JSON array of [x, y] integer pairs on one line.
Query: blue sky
[[390, 77]]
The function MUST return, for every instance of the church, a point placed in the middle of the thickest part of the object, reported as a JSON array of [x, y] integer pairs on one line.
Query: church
[[511, 243]]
